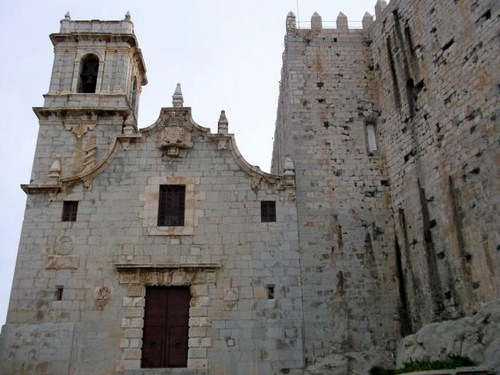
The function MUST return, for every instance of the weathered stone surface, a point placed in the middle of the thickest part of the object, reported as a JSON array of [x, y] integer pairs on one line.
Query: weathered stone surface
[[476, 337], [385, 183], [354, 363], [91, 274], [396, 170]]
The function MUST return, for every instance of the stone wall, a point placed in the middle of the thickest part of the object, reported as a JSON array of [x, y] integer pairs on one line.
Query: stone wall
[[436, 65], [104, 260], [78, 296], [386, 189], [404, 233], [345, 226]]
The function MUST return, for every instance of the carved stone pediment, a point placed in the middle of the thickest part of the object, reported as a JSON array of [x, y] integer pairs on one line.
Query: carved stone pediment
[[176, 133]]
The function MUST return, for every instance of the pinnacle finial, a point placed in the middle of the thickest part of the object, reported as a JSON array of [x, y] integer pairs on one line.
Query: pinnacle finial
[[127, 16], [67, 16], [316, 22], [177, 99], [290, 22], [55, 167], [288, 171], [223, 123]]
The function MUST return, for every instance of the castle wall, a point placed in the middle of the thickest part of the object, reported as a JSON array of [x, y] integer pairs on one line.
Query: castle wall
[[345, 228], [436, 65], [422, 75], [390, 134]]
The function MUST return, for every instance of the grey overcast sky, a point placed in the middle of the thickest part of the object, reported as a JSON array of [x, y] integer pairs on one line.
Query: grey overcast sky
[[225, 53]]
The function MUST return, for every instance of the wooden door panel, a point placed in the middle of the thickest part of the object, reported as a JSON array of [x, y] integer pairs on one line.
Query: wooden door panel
[[166, 327], [177, 346]]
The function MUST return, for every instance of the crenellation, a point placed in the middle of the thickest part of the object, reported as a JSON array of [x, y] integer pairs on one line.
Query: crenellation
[[342, 23], [379, 217], [316, 22]]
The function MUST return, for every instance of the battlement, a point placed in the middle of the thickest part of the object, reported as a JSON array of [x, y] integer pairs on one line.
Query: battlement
[[341, 23]]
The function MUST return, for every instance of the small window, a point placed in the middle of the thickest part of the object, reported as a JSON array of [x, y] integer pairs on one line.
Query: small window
[[134, 94], [70, 210], [59, 293], [267, 211], [171, 205], [270, 292], [89, 69], [371, 140]]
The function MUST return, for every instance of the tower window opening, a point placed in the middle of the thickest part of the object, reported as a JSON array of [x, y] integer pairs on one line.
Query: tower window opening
[[371, 138], [134, 95], [88, 74]]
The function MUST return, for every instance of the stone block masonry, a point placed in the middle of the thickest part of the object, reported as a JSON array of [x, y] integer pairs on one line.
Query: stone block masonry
[[392, 133], [79, 299], [379, 218]]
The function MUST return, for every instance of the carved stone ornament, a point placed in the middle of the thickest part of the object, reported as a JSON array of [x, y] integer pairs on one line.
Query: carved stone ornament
[[64, 245], [256, 183], [231, 297], [222, 143], [79, 129], [102, 295], [176, 135], [173, 135]]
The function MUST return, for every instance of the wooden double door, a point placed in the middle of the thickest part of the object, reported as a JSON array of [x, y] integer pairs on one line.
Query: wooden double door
[[166, 325]]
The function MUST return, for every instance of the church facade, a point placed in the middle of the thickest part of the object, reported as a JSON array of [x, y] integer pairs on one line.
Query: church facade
[[161, 250]]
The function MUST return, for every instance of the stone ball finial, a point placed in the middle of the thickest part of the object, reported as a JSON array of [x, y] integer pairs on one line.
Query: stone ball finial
[[177, 99]]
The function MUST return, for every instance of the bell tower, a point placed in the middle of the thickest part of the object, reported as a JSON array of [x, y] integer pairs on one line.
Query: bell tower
[[93, 97]]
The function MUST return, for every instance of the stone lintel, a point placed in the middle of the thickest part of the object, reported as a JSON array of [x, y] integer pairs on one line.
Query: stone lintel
[[166, 266]]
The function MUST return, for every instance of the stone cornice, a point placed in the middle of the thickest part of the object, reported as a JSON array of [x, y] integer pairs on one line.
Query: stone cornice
[[42, 112], [41, 188]]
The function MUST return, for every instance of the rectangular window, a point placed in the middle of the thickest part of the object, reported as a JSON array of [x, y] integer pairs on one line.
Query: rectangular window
[[270, 292], [171, 205], [166, 327], [267, 211], [70, 210], [59, 293]]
